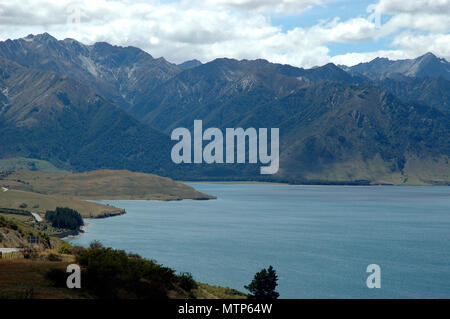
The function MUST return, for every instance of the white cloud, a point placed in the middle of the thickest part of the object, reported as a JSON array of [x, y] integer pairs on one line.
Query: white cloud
[[423, 6], [424, 26], [414, 45], [279, 6], [351, 59], [409, 46], [353, 30]]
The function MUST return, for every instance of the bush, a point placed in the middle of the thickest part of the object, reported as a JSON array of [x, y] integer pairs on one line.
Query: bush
[[95, 244], [45, 240], [65, 248], [78, 250], [64, 218], [110, 273], [30, 253], [54, 257], [186, 282]]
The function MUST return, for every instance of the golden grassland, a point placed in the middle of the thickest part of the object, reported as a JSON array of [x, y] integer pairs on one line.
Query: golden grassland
[[40, 203], [21, 218], [38, 192], [206, 291], [14, 231], [103, 184]]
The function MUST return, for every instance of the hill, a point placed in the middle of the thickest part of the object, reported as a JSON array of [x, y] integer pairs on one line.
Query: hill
[[14, 233], [40, 203], [103, 184], [39, 192]]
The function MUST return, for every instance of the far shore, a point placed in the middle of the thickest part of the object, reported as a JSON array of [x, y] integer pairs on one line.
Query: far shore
[[233, 182], [374, 183]]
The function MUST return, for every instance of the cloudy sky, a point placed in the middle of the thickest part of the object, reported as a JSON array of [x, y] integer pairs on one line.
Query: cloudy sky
[[298, 32]]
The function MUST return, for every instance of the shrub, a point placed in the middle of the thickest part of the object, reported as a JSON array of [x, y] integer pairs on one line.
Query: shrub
[[45, 240], [65, 248], [110, 273], [186, 282], [54, 257], [95, 244], [30, 253], [78, 250]]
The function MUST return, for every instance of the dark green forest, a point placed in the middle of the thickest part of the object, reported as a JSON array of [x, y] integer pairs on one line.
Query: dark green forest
[[64, 218]]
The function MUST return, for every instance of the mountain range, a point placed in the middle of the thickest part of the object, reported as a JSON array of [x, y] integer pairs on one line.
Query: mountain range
[[85, 107], [424, 66], [50, 116]]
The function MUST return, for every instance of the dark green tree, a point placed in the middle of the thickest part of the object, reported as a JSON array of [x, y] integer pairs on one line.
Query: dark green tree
[[95, 244], [263, 285], [64, 217]]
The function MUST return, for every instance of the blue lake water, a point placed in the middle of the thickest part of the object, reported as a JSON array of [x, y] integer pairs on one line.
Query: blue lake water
[[320, 239]]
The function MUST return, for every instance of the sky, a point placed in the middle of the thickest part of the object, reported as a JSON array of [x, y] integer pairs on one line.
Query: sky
[[302, 33]]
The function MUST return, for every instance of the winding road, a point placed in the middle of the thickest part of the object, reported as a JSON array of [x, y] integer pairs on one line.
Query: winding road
[[37, 217]]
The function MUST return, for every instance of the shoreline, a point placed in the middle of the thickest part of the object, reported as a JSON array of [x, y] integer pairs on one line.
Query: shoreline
[[355, 184], [234, 182], [74, 235]]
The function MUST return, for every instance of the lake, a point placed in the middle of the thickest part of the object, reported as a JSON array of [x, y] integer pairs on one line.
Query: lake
[[319, 239]]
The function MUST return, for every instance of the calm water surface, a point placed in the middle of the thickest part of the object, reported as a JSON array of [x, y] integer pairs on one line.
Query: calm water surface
[[320, 239]]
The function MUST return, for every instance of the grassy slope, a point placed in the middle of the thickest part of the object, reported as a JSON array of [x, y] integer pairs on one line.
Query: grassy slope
[[41, 191], [14, 234], [205, 291], [40, 203], [103, 184]]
